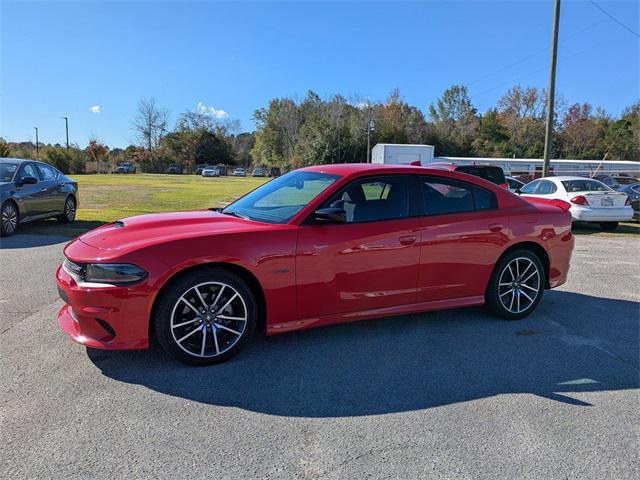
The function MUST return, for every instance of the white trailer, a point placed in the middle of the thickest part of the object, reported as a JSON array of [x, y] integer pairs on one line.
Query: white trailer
[[394, 153]]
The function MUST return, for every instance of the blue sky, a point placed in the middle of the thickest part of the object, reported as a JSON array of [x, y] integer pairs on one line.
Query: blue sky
[[60, 59]]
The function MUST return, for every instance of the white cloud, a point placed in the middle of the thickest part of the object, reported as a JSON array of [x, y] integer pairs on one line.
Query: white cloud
[[213, 111], [95, 109]]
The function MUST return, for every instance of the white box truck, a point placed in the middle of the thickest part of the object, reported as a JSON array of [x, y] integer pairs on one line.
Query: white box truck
[[397, 153]]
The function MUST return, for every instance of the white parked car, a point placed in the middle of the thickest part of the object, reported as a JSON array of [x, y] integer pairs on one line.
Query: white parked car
[[590, 199], [239, 172], [210, 172], [514, 184]]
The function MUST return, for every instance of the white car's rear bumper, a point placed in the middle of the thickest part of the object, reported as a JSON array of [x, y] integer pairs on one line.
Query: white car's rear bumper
[[586, 214]]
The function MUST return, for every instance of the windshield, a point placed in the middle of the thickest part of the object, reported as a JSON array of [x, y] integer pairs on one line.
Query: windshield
[[585, 186], [493, 174], [7, 171], [280, 199]]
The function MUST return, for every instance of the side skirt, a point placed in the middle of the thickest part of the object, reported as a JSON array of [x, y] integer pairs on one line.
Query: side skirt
[[276, 328]]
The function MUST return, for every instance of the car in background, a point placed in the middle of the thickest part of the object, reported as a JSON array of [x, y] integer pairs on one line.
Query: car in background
[[258, 172], [633, 192], [210, 172], [275, 172], [590, 199], [125, 168], [239, 172], [318, 246], [200, 167], [492, 173], [174, 169], [608, 180], [514, 184], [32, 190], [624, 179]]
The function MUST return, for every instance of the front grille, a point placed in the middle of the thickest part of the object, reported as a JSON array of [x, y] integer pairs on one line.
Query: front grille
[[107, 328]]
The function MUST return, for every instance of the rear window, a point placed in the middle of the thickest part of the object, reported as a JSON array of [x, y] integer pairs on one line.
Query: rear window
[[493, 174], [586, 185]]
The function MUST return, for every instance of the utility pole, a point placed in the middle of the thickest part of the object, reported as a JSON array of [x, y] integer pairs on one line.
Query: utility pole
[[548, 134], [37, 147], [66, 124], [369, 136]]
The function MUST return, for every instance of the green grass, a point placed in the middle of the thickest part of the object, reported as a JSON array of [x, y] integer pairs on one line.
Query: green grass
[[105, 198]]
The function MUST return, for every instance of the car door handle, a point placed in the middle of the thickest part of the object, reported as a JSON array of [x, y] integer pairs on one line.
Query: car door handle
[[495, 227], [408, 240], [43, 189]]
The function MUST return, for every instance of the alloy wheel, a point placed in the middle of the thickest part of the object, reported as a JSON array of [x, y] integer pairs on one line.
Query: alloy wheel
[[519, 285], [9, 218], [70, 209], [209, 319]]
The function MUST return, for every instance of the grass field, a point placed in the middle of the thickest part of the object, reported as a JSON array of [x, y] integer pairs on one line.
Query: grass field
[[105, 198]]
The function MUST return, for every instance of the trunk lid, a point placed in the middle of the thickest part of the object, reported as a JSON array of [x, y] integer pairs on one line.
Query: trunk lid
[[604, 199]]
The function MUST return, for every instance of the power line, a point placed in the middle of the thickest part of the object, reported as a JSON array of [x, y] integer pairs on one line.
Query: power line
[[614, 18]]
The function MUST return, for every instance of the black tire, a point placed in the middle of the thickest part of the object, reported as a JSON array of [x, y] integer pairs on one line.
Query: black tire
[[9, 219], [69, 212], [608, 226], [171, 311], [504, 279]]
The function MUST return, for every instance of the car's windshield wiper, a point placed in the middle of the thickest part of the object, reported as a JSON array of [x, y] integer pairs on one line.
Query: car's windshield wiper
[[235, 214]]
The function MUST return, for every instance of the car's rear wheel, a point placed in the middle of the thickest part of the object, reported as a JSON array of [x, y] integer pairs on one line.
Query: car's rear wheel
[[69, 212], [8, 219], [516, 285], [205, 318], [608, 226]]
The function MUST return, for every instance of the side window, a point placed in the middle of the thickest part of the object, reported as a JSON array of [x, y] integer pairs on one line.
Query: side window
[[441, 196], [374, 199], [546, 188], [530, 187], [29, 170], [46, 172]]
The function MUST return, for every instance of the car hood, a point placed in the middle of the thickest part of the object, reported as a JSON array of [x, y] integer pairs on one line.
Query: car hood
[[146, 230]]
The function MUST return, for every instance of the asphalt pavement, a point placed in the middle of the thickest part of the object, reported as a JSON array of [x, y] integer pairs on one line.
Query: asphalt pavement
[[455, 394]]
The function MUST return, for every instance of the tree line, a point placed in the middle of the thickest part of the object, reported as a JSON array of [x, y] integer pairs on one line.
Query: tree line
[[291, 133]]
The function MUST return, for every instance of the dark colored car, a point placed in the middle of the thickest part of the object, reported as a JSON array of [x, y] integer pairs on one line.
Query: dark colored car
[[31, 190], [633, 192], [608, 180], [200, 167], [624, 179], [492, 173], [174, 169], [275, 172], [222, 169]]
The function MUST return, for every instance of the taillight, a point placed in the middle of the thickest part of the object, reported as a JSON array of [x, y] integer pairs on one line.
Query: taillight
[[627, 201], [579, 200], [504, 185]]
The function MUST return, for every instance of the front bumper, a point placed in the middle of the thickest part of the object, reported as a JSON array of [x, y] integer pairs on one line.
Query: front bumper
[[113, 317], [582, 214]]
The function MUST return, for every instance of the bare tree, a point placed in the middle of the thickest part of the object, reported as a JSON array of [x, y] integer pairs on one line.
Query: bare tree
[[150, 123]]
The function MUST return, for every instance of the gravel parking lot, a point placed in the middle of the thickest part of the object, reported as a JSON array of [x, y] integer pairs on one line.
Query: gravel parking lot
[[455, 394]]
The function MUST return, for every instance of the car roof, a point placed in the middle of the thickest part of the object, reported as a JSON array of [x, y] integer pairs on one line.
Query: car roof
[[565, 178], [15, 160]]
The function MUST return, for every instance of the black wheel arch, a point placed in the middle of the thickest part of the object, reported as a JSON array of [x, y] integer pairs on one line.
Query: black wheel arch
[[538, 250]]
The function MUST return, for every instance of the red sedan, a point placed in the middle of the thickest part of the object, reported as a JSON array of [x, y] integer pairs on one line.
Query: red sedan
[[318, 246]]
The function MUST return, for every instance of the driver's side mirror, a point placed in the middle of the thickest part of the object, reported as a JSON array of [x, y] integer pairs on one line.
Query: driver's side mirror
[[331, 215], [517, 191], [27, 181]]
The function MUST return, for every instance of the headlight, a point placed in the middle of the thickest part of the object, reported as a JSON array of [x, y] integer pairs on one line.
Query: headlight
[[111, 273]]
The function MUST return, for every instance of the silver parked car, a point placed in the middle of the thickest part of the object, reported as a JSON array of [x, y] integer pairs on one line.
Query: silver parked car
[[210, 172]]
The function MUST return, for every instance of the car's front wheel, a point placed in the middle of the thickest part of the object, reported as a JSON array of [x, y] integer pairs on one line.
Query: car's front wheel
[[8, 219], [516, 285], [205, 318]]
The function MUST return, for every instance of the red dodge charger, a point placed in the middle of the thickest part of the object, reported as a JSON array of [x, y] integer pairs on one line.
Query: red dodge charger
[[318, 246]]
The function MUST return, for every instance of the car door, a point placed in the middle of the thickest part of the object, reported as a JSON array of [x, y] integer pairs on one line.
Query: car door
[[462, 236], [53, 196], [370, 261], [29, 196]]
